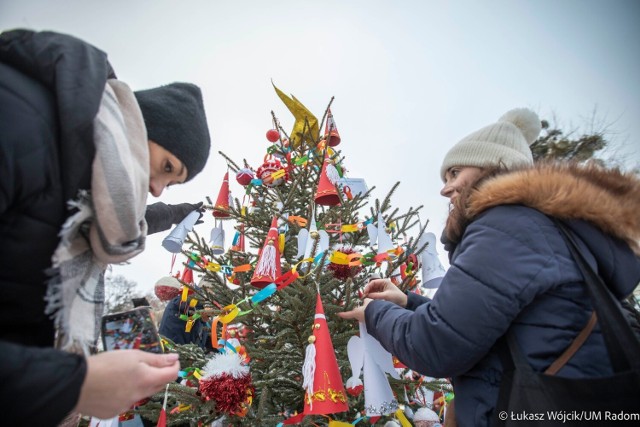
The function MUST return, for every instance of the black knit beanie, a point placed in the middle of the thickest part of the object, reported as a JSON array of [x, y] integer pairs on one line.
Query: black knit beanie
[[175, 119]]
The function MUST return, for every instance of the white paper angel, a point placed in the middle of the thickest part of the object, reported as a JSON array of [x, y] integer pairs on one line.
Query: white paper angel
[[367, 355], [378, 234], [307, 237]]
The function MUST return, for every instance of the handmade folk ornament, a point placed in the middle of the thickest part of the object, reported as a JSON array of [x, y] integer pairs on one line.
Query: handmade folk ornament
[[217, 240], [221, 208], [174, 241], [327, 192], [324, 391], [331, 134], [268, 266], [366, 355]]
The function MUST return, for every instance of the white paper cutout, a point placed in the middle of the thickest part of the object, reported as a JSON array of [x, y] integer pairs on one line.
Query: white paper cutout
[[367, 355], [432, 269]]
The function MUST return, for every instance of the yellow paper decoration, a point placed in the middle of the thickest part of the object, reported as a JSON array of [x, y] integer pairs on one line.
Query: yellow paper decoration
[[301, 114]]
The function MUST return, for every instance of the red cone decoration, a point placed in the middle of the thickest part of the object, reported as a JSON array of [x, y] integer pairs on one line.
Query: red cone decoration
[[221, 208], [324, 391], [331, 131], [326, 193], [268, 266]]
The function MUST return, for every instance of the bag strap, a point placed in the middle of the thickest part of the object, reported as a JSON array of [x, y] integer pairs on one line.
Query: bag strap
[[622, 345], [573, 347]]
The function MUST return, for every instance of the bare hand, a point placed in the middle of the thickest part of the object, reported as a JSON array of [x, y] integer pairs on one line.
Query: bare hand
[[357, 313], [384, 289], [117, 379]]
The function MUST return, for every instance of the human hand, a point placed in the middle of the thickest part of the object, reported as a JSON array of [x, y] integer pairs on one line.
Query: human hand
[[357, 313], [115, 380], [384, 289]]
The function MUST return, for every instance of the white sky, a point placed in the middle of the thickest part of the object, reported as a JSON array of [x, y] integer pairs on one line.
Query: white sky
[[410, 78]]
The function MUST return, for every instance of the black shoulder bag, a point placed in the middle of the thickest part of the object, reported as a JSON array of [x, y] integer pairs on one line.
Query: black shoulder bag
[[534, 398]]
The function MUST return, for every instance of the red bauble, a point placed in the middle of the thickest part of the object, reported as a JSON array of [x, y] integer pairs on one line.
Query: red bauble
[[244, 176], [343, 271], [273, 135]]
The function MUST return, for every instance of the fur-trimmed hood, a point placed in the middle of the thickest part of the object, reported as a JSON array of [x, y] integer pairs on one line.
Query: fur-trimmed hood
[[606, 198]]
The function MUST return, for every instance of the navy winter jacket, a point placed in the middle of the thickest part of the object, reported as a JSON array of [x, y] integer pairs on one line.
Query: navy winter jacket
[[50, 90]]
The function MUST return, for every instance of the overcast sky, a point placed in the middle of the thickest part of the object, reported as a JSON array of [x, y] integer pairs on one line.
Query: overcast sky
[[410, 78]]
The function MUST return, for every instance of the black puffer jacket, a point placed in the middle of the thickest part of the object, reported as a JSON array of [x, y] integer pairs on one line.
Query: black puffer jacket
[[50, 90]]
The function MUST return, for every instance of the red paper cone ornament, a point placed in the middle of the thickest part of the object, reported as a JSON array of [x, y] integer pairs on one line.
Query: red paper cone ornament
[[331, 131], [187, 276], [324, 391], [268, 266], [220, 210], [326, 193]]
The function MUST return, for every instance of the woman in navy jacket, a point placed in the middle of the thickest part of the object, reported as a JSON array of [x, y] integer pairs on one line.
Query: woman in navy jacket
[[510, 267]]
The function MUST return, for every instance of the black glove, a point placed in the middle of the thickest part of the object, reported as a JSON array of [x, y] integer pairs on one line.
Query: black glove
[[161, 217]]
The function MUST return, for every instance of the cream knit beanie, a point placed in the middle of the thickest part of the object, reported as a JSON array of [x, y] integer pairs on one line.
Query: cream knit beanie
[[503, 143]]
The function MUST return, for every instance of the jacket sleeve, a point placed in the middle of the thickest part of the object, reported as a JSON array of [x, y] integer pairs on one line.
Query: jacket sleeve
[[38, 386], [495, 273]]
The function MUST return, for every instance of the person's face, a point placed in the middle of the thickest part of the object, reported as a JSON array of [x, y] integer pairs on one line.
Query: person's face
[[164, 169], [457, 179]]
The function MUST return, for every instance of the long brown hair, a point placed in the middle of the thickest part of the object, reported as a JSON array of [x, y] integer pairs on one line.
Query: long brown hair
[[459, 218]]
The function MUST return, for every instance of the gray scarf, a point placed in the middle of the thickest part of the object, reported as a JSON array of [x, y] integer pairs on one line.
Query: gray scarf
[[109, 225]]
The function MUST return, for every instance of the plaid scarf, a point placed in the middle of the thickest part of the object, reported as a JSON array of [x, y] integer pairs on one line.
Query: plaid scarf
[[108, 226]]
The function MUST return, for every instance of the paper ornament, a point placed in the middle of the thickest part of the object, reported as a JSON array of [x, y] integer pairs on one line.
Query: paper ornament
[[174, 241], [366, 355], [238, 240], [217, 240], [221, 208], [268, 267], [227, 381], [331, 131], [307, 238], [324, 391], [244, 176], [326, 192], [306, 124], [167, 288], [272, 173], [378, 235], [432, 269]]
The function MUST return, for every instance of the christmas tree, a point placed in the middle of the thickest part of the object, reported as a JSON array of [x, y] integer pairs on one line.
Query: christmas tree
[[306, 242]]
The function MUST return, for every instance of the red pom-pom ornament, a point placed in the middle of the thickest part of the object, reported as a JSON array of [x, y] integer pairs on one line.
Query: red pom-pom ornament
[[244, 176], [344, 271], [273, 135], [227, 382]]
